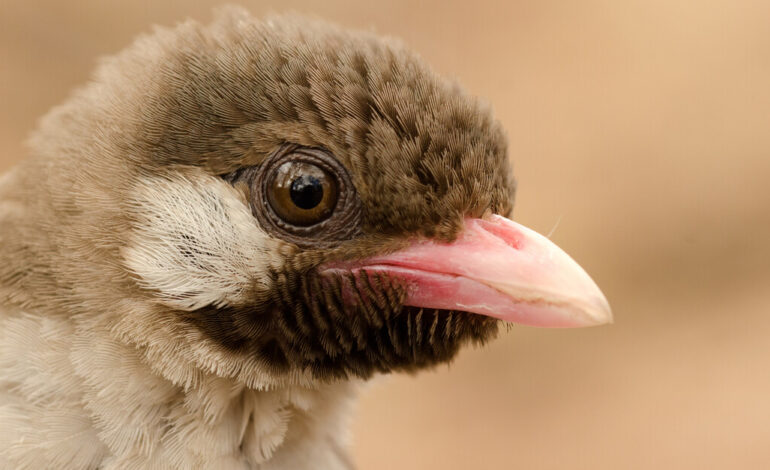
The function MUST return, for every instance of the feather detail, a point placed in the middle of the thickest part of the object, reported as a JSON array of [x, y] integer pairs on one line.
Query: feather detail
[[83, 399]]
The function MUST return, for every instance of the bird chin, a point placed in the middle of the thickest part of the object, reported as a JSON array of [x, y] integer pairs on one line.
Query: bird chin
[[341, 324]]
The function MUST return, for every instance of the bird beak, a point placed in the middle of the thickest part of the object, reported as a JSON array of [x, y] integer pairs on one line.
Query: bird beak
[[500, 269]]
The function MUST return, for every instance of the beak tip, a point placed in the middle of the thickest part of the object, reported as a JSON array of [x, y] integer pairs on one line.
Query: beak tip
[[598, 312]]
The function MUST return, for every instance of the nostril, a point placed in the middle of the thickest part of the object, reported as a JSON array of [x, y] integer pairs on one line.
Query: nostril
[[503, 231]]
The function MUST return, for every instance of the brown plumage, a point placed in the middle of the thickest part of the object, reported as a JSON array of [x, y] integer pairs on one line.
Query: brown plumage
[[186, 323]]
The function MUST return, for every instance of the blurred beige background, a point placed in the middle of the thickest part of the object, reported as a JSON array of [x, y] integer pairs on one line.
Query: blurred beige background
[[644, 128]]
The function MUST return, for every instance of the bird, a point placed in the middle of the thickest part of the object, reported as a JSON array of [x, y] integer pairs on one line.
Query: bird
[[213, 243]]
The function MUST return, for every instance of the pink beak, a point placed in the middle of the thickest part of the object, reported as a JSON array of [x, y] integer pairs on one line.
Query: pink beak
[[497, 268]]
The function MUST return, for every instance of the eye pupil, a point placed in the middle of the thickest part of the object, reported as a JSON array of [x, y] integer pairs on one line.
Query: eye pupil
[[306, 192]]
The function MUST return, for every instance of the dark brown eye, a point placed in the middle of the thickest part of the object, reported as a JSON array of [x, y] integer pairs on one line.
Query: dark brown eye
[[302, 193]]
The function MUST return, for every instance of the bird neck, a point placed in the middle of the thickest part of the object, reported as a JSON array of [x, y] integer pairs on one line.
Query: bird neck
[[220, 420], [130, 415]]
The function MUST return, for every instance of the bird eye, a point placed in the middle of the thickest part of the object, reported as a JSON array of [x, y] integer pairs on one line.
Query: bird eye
[[303, 195]]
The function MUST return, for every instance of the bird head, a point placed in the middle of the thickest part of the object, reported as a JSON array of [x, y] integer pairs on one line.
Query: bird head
[[283, 201]]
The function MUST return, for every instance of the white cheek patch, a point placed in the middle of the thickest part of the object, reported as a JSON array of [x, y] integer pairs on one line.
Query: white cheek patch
[[196, 242]]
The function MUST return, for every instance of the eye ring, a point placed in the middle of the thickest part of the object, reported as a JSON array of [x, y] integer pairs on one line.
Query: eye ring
[[343, 219]]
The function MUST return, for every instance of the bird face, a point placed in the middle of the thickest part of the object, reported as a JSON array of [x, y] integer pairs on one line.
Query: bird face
[[288, 200]]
